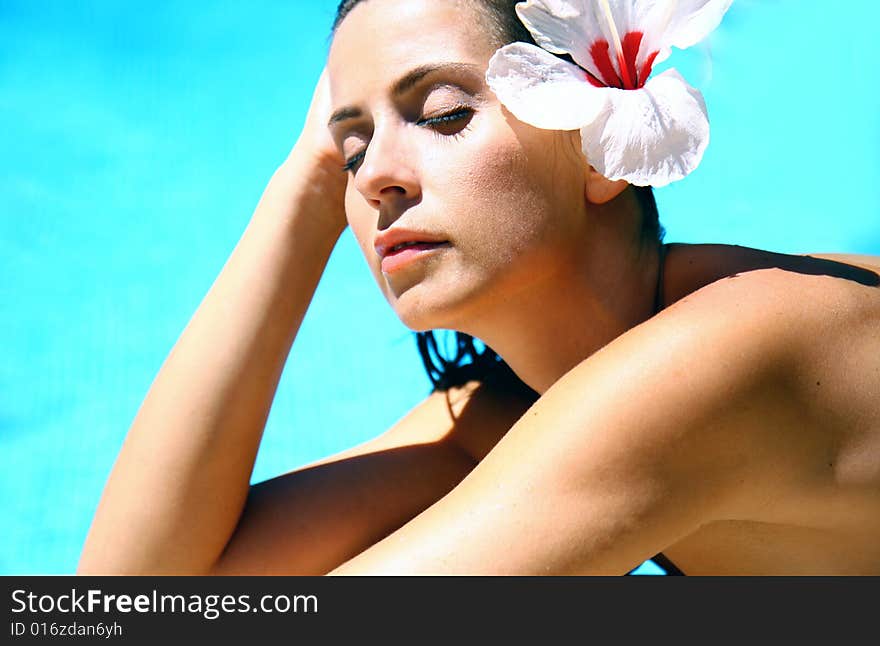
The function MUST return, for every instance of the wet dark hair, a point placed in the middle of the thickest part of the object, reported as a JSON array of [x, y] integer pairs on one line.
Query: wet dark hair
[[499, 16], [472, 359]]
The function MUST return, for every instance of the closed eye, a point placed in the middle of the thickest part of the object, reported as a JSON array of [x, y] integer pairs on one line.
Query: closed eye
[[448, 121], [448, 124]]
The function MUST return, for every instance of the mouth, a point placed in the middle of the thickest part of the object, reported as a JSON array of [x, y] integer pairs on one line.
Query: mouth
[[406, 253]]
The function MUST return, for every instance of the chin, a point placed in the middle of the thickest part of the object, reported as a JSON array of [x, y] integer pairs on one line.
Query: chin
[[421, 318], [421, 308]]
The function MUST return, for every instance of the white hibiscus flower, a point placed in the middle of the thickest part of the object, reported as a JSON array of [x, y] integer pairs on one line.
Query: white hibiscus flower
[[647, 132]]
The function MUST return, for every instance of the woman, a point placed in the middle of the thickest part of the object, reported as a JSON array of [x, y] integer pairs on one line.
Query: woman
[[666, 398]]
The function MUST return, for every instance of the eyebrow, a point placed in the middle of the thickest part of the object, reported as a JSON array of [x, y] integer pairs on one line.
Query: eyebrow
[[405, 83]]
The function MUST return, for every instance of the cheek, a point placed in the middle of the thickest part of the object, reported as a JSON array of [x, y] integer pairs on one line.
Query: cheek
[[516, 198], [506, 202]]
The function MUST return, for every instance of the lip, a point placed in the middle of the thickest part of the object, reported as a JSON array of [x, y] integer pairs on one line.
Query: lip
[[392, 237], [395, 260]]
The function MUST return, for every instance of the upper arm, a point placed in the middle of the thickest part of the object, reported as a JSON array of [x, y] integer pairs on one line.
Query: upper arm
[[630, 451], [317, 516]]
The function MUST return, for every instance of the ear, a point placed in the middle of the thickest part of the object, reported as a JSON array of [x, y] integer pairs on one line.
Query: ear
[[599, 189]]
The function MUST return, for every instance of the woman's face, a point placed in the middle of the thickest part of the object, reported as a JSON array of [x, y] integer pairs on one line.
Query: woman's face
[[432, 151]]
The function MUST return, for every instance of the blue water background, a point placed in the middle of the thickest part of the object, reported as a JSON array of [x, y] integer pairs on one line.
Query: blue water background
[[137, 137]]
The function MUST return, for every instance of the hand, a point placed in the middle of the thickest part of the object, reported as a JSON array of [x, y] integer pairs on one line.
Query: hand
[[315, 139], [316, 160]]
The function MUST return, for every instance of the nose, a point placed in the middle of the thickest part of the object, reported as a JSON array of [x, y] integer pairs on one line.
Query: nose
[[387, 177]]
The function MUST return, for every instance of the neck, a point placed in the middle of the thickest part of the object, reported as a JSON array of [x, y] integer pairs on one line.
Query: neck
[[547, 328]]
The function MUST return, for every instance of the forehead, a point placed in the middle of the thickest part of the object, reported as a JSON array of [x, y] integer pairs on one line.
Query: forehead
[[382, 39]]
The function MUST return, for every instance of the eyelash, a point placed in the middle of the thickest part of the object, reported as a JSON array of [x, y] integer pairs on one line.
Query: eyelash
[[448, 117], [441, 119]]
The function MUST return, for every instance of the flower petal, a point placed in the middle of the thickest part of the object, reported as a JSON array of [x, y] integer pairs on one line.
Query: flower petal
[[667, 23], [543, 90], [693, 20], [649, 137], [653, 21], [564, 27]]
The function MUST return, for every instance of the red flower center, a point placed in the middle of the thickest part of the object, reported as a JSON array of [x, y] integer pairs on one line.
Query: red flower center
[[629, 78]]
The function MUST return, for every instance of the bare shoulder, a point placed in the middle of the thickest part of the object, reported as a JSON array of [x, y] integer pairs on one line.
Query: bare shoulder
[[722, 385], [815, 329], [818, 417], [787, 301], [819, 322]]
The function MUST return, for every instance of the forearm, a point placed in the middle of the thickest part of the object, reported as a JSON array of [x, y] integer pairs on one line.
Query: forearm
[[181, 479]]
